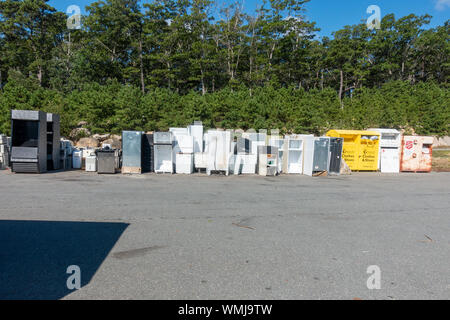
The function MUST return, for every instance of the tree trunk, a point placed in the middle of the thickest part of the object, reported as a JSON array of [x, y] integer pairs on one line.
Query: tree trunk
[[203, 82], [341, 88], [251, 69], [321, 80], [423, 69], [39, 75], [141, 66], [169, 83], [69, 46], [317, 79], [403, 70]]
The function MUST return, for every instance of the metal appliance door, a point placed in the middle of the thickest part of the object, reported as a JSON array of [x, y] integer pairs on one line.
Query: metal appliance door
[[162, 137], [219, 150], [321, 149], [197, 132], [221, 154], [295, 156], [147, 153], [163, 158], [131, 152], [21, 154], [262, 164], [390, 162], [336, 145], [185, 143], [295, 164], [201, 160], [308, 155], [184, 163], [212, 149], [106, 162]]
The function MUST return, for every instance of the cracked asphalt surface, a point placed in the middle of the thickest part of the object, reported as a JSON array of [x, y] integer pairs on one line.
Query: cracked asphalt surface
[[239, 237]]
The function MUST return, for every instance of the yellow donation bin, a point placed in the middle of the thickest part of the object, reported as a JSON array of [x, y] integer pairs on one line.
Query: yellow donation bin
[[361, 148]]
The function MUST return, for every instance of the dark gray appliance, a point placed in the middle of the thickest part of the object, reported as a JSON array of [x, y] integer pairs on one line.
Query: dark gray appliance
[[28, 141], [147, 153], [106, 161], [336, 145], [244, 146], [53, 141], [321, 154]]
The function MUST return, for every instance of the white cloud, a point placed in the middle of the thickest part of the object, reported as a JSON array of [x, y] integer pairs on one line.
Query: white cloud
[[442, 4]]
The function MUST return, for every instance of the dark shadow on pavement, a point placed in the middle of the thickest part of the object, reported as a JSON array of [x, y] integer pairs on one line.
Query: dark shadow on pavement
[[34, 255]]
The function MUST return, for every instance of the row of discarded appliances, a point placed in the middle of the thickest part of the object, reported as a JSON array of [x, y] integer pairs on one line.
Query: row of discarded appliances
[[186, 150], [190, 149]]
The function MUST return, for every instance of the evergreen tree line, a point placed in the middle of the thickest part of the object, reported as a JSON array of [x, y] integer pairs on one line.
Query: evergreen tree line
[[148, 66]]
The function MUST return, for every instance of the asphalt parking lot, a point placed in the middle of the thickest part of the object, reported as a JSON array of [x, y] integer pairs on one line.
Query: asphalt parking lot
[[238, 237]]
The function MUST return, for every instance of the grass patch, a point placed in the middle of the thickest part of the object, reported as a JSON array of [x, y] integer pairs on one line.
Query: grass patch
[[441, 160], [441, 153]]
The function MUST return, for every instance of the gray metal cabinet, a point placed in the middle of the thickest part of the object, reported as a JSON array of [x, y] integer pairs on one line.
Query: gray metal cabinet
[[106, 161]]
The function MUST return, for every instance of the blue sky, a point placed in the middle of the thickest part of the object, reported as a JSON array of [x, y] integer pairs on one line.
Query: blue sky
[[332, 15]]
